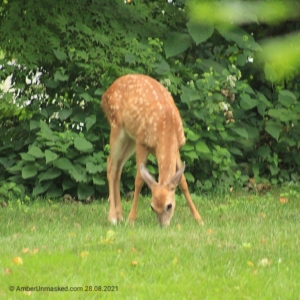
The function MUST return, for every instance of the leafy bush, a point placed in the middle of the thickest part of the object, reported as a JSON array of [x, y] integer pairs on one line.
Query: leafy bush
[[239, 121]]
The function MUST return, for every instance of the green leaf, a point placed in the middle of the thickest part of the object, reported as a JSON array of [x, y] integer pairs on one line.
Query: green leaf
[[207, 185], [83, 160], [189, 177], [64, 114], [46, 132], [188, 94], [6, 162], [36, 152], [161, 68], [84, 191], [52, 84], [68, 184], [207, 64], [78, 173], [202, 147], [273, 129], [187, 147], [59, 76], [54, 192], [50, 156], [247, 102], [29, 171], [86, 96], [99, 92], [241, 60], [263, 104], [286, 98], [60, 54], [97, 180], [27, 157], [17, 167], [235, 151], [90, 121], [82, 144], [200, 32], [274, 169], [93, 169], [63, 163], [192, 136], [264, 151], [288, 141], [79, 117], [81, 54], [49, 174], [40, 188], [44, 112], [238, 36], [240, 131], [34, 124], [281, 114], [191, 154], [130, 58], [177, 43]]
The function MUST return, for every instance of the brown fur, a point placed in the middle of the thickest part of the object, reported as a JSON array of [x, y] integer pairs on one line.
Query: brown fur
[[144, 119]]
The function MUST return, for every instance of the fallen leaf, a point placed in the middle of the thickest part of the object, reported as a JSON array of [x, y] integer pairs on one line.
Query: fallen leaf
[[247, 245], [25, 250], [133, 249], [17, 260], [32, 228], [175, 260], [110, 234], [27, 293], [264, 262], [262, 215], [119, 250], [134, 263], [250, 263], [283, 200], [209, 231], [7, 271], [84, 254]]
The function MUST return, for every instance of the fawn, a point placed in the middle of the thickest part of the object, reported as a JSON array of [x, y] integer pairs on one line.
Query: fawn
[[144, 119]]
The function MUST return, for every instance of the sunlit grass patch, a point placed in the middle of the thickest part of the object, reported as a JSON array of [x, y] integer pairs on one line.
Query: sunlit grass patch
[[247, 249]]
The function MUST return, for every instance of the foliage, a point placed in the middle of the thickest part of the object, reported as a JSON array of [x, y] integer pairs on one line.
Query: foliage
[[241, 117]]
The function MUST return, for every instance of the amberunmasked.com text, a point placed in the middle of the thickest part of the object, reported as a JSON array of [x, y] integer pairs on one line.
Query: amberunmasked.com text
[[86, 288]]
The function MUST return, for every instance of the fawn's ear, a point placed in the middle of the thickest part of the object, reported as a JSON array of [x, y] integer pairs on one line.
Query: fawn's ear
[[147, 176], [177, 177]]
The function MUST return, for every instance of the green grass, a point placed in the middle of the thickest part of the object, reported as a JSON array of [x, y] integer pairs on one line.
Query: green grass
[[248, 249]]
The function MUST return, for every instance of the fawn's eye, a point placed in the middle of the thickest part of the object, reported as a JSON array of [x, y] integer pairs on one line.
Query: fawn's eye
[[169, 206]]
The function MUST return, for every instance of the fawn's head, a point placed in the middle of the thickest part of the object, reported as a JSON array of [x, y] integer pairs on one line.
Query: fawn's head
[[163, 195]]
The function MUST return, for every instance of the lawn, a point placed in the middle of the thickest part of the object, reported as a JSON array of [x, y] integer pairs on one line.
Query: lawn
[[247, 249]]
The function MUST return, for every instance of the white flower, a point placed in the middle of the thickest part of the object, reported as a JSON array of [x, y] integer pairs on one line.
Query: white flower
[[224, 106], [232, 80]]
